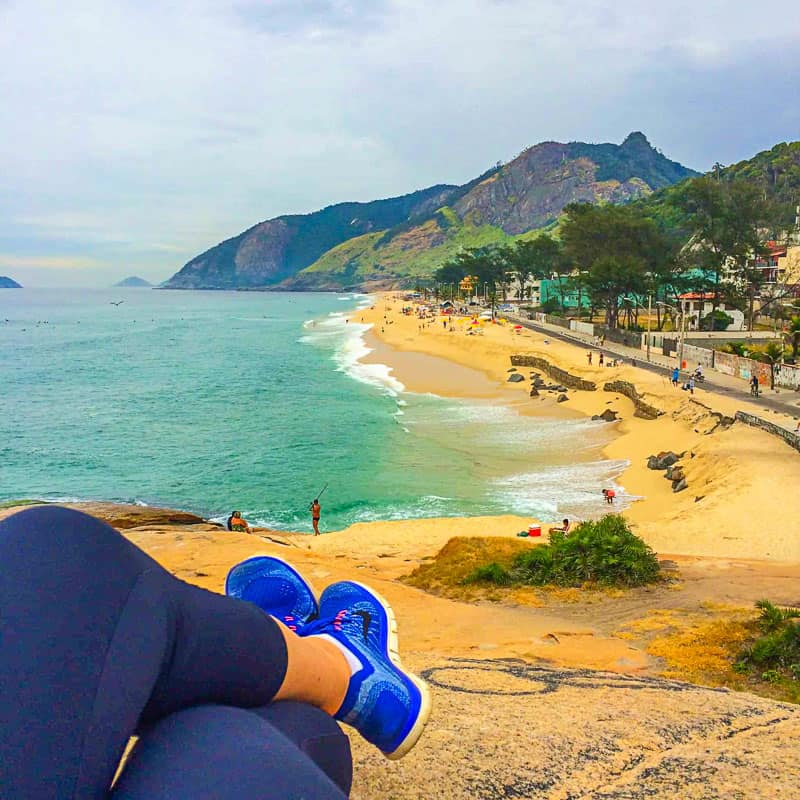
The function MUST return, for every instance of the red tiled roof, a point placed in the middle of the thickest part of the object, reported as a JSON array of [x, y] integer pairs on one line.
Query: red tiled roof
[[696, 296]]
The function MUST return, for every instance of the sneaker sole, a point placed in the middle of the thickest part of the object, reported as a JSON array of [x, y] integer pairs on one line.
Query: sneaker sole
[[286, 564], [412, 737]]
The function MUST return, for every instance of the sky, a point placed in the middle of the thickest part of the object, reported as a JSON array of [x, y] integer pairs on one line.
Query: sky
[[135, 135]]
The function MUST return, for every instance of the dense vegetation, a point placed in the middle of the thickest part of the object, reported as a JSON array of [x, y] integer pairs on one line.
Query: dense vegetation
[[603, 552], [774, 654]]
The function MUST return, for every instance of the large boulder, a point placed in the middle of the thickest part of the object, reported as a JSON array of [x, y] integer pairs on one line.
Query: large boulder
[[562, 398], [607, 416], [666, 458], [679, 486], [516, 378]]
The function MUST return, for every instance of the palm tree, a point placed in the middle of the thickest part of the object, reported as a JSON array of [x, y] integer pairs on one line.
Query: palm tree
[[793, 332], [773, 355]]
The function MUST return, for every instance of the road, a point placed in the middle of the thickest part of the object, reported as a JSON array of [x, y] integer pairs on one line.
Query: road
[[787, 402]]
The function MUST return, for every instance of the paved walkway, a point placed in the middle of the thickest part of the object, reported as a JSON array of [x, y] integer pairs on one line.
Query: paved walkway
[[782, 401]]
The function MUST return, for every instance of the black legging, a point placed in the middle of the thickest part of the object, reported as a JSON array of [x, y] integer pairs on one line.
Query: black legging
[[98, 643]]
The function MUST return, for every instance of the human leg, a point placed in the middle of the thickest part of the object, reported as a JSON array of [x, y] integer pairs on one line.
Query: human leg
[[387, 704], [96, 639], [284, 751]]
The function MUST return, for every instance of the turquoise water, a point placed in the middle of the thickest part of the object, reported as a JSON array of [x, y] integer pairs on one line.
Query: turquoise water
[[209, 401]]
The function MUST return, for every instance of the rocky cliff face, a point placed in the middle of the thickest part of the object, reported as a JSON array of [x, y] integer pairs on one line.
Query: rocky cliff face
[[380, 243], [279, 248]]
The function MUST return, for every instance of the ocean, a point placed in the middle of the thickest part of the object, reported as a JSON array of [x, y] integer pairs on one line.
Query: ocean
[[210, 401]]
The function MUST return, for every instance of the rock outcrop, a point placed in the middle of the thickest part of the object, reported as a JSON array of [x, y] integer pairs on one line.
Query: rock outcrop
[[8, 283], [642, 409], [564, 378]]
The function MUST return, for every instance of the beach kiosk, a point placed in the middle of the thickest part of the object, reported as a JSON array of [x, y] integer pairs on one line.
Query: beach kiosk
[[447, 307]]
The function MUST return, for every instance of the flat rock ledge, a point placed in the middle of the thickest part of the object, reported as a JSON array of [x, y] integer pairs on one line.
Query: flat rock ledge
[[512, 729]]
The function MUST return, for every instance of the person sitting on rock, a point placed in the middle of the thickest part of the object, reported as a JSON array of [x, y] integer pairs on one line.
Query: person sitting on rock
[[237, 523]]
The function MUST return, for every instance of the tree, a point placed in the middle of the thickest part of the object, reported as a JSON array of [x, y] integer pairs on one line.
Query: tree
[[793, 331], [621, 253], [724, 219], [773, 355]]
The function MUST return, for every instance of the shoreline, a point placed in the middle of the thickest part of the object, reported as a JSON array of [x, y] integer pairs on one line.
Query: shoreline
[[725, 469]]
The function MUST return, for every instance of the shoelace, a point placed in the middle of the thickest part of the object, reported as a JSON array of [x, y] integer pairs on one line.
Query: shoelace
[[317, 624]]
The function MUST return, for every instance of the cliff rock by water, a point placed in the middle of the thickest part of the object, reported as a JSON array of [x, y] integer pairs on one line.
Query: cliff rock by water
[[386, 241], [8, 283]]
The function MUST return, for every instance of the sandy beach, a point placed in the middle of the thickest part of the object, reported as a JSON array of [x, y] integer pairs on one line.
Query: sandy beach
[[742, 498]]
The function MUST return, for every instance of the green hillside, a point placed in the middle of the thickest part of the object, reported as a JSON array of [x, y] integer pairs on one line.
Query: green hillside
[[409, 254]]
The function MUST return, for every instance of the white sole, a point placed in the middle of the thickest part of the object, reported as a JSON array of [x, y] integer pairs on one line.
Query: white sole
[[412, 737]]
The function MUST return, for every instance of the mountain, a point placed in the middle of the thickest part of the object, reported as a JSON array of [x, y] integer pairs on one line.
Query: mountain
[[775, 172], [8, 283], [279, 248], [134, 282], [389, 241]]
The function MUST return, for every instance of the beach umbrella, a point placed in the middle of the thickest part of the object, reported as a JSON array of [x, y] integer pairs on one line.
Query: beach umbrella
[[518, 327]]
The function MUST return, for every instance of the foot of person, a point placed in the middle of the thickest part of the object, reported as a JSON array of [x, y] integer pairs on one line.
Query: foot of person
[[388, 705], [276, 587]]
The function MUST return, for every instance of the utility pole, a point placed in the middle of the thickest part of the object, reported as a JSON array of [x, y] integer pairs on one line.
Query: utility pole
[[649, 313], [683, 336]]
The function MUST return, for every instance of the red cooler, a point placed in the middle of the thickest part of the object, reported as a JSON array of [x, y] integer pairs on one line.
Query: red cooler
[[535, 530]]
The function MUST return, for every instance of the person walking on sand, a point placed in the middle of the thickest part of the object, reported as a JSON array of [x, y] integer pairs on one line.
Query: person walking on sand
[[315, 509], [589, 357], [609, 494], [754, 386], [600, 359], [676, 374]]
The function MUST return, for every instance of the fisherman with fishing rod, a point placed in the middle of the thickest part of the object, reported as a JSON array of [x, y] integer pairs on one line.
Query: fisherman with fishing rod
[[315, 509]]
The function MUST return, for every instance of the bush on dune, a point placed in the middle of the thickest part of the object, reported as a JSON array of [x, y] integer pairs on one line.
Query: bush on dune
[[603, 552]]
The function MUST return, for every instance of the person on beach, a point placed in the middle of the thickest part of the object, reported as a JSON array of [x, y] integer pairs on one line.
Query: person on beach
[[600, 359], [230, 696], [754, 385], [676, 374], [564, 527], [589, 357], [237, 523], [609, 494], [315, 510]]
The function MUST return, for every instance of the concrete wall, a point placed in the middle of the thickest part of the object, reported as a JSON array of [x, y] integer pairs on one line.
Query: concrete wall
[[562, 376], [792, 439], [786, 375], [643, 410], [697, 355], [581, 327]]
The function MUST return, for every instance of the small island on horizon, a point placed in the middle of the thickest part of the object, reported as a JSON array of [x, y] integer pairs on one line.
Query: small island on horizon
[[9, 283], [134, 282]]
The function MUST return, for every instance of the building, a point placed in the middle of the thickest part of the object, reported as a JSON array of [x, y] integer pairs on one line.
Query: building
[[696, 305]]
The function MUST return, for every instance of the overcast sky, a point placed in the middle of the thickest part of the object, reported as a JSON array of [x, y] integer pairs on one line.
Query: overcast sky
[[134, 135]]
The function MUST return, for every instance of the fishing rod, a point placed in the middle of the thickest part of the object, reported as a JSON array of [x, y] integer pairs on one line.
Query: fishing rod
[[320, 493]]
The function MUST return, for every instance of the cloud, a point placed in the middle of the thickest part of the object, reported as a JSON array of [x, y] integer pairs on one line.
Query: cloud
[[142, 133], [11, 261]]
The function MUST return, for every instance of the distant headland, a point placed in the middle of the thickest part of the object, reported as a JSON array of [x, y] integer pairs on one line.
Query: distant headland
[[8, 283], [134, 282]]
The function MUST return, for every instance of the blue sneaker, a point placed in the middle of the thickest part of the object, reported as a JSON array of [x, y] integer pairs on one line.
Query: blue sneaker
[[275, 587], [385, 703]]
